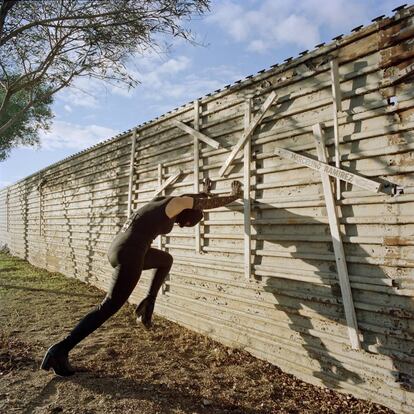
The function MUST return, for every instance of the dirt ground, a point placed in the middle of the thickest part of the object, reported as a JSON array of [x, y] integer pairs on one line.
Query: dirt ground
[[126, 369]]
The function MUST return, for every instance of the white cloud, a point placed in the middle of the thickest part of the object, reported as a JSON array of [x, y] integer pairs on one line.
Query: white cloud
[[269, 24], [298, 30], [84, 92], [173, 66], [77, 137], [340, 14], [174, 81], [257, 45], [190, 85], [150, 70]]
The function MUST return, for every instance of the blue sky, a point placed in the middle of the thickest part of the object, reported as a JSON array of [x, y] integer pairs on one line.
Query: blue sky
[[238, 38]]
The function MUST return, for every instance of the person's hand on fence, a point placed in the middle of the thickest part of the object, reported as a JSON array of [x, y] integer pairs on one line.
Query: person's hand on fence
[[236, 189], [207, 185]]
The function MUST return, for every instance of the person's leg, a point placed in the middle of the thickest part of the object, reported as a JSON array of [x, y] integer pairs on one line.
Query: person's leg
[[124, 281], [125, 278], [162, 262]]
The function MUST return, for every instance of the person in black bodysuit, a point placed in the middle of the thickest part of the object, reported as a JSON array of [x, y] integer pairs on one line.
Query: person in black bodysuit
[[130, 253]]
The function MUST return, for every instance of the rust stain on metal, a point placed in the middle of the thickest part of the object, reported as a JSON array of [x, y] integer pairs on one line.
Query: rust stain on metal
[[396, 45], [405, 159], [398, 55], [396, 34], [396, 139], [353, 50], [391, 253], [407, 115], [398, 241]]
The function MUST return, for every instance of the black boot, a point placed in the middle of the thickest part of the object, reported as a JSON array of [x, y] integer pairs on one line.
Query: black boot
[[145, 310], [58, 360]]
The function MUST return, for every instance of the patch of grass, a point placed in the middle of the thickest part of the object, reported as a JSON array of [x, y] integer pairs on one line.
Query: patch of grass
[[18, 271], [37, 306]]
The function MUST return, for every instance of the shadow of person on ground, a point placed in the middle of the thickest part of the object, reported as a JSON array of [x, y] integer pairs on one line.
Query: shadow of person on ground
[[112, 390], [55, 292]]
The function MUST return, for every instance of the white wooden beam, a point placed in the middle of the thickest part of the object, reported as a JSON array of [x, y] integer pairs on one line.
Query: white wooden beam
[[40, 188], [337, 106], [7, 210], [159, 170], [248, 132], [131, 171], [246, 190], [197, 169], [170, 180], [343, 175], [196, 134], [340, 259], [336, 86]]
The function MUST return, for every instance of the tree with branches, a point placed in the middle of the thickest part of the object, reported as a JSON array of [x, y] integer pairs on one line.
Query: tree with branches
[[45, 45]]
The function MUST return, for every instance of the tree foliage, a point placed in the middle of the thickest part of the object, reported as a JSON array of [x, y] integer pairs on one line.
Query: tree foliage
[[25, 131], [45, 45]]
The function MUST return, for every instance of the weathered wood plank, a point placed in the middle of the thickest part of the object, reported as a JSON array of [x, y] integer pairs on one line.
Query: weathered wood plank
[[131, 171], [196, 134], [247, 171], [337, 106], [252, 126], [197, 238], [169, 181], [340, 259], [347, 176]]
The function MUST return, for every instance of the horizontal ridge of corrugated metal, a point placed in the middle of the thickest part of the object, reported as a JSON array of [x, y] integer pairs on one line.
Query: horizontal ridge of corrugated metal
[[290, 312]]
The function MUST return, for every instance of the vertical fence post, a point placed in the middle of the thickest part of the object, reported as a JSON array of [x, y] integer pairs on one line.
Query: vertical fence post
[[340, 259], [337, 106], [246, 192], [7, 210], [197, 169], [131, 172], [40, 187], [162, 192]]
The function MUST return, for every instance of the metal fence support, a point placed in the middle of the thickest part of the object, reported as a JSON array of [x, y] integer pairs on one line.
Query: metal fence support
[[340, 259], [197, 170], [246, 193], [337, 106], [131, 172]]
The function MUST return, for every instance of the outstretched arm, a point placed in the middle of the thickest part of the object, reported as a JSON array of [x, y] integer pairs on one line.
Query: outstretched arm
[[207, 184], [197, 195], [209, 203], [178, 204]]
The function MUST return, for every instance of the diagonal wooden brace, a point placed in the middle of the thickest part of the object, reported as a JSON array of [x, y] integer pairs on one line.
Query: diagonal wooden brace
[[347, 176], [196, 134], [170, 180], [339, 252], [248, 132]]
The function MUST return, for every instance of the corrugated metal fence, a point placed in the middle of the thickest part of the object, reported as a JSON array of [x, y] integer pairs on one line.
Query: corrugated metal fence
[[286, 306]]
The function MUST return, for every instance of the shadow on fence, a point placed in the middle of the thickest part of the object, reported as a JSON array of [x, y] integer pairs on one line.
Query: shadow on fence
[[380, 330]]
